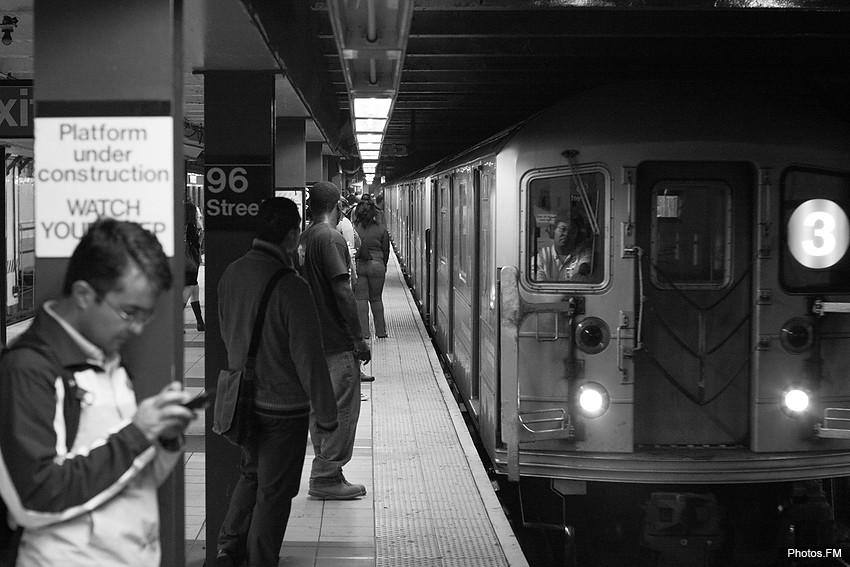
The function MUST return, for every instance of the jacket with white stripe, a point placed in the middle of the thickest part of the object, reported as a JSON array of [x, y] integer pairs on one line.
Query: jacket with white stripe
[[95, 502]]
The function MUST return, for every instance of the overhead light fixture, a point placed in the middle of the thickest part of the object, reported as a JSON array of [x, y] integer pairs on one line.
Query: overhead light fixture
[[7, 25], [368, 138], [370, 166], [371, 38], [369, 146], [369, 124], [372, 107]]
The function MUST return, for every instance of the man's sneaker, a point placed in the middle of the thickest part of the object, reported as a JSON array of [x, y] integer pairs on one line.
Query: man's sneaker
[[338, 491]]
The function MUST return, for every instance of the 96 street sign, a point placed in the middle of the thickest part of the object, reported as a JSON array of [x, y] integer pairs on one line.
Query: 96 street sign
[[232, 194]]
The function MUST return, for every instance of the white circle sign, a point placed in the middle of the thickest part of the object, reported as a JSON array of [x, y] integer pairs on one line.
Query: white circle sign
[[818, 233]]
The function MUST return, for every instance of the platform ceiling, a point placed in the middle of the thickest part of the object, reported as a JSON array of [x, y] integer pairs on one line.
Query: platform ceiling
[[474, 67]]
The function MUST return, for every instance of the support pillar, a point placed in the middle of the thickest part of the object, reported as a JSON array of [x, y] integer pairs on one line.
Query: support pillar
[[315, 167], [112, 66], [290, 153], [238, 168]]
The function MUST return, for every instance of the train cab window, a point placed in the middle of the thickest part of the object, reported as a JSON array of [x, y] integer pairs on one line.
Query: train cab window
[[691, 234], [815, 231], [565, 237]]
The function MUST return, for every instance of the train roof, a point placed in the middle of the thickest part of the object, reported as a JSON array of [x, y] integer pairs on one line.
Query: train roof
[[646, 112], [663, 111]]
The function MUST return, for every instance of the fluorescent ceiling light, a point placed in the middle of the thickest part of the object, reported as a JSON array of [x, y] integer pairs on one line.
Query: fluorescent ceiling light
[[369, 124], [368, 138], [369, 146], [373, 154], [370, 167], [372, 107]]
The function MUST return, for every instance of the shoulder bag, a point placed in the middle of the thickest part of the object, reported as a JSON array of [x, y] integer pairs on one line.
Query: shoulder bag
[[233, 413]]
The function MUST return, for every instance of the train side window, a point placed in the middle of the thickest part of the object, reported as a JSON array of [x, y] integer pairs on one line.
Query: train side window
[[814, 230], [691, 234], [565, 233]]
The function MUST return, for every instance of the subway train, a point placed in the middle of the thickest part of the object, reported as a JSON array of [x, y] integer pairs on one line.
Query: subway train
[[642, 297]]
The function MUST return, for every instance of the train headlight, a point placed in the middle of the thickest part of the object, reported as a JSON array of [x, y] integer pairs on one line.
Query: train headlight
[[592, 335], [795, 400], [797, 335], [593, 399]]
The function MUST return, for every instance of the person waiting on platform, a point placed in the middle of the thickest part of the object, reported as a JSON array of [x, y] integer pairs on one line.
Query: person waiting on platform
[[324, 260], [570, 257], [192, 242], [372, 258], [292, 378], [81, 461]]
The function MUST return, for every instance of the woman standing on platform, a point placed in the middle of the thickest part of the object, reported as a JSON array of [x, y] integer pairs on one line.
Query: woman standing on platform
[[192, 261], [372, 258]]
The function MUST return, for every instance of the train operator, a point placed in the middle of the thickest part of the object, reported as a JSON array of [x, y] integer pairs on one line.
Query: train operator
[[569, 258]]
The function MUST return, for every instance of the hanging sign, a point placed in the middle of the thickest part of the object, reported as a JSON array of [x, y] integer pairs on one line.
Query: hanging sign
[[90, 167], [232, 194], [16, 109]]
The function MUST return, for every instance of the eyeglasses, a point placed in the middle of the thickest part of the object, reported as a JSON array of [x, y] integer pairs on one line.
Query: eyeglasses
[[136, 316]]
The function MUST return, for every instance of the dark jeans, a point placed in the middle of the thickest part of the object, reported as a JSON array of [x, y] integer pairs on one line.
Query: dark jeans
[[261, 502]]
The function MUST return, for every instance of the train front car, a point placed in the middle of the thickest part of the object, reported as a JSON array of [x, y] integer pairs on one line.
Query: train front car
[[674, 309]]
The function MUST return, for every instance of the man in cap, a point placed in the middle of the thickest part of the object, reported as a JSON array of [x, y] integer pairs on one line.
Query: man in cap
[[324, 262]]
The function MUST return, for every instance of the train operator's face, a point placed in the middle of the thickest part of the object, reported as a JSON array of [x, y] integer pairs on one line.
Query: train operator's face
[[565, 236]]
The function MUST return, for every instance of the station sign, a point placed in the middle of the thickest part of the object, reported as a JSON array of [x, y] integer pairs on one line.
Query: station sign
[[16, 104], [91, 167], [232, 194]]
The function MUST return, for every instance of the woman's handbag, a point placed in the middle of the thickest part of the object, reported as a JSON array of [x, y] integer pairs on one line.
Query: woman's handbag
[[233, 413], [191, 258]]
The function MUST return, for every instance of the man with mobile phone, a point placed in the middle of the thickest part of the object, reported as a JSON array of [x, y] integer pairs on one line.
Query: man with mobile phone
[[78, 455]]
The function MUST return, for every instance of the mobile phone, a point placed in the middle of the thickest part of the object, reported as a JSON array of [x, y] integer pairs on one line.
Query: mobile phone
[[202, 400]]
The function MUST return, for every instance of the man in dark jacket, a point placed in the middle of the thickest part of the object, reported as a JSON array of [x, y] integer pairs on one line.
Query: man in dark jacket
[[292, 377], [324, 262], [77, 454]]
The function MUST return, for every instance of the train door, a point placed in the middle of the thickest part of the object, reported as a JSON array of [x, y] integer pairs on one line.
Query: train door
[[431, 235], [465, 285], [419, 248], [487, 305], [692, 377], [443, 257], [410, 236]]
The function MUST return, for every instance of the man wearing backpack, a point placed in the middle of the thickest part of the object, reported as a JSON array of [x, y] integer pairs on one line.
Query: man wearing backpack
[[80, 461]]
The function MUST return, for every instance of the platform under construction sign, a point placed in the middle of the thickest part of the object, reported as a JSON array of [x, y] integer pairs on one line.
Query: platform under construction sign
[[88, 167]]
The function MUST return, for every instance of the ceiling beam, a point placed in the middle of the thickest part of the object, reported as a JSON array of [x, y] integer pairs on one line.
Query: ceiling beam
[[288, 29]]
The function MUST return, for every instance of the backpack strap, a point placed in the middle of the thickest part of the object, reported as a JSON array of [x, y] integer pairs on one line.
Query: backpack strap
[[73, 394]]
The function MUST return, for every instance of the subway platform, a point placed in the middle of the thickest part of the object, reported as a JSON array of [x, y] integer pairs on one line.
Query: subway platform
[[429, 500]]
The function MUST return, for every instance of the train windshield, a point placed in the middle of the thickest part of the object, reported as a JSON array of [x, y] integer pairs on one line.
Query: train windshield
[[565, 238], [815, 231]]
